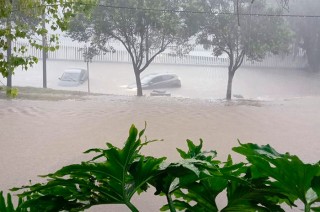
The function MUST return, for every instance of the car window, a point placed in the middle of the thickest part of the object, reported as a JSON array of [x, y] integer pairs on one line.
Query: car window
[[157, 79], [67, 76], [147, 79], [167, 77]]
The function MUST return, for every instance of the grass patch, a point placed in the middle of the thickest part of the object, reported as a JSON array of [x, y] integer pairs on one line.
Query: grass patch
[[33, 93]]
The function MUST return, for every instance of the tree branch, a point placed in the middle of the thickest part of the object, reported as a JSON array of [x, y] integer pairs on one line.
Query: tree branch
[[162, 48], [141, 50], [151, 59], [239, 60]]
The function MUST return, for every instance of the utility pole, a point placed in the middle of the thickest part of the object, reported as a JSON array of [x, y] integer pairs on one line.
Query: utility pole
[[9, 77], [44, 51], [88, 54], [9, 51], [88, 75]]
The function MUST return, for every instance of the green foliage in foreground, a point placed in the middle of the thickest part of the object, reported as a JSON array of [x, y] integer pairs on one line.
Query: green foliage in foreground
[[264, 182], [7, 205]]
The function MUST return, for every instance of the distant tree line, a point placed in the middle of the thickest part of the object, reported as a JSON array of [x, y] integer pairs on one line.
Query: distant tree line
[[307, 31]]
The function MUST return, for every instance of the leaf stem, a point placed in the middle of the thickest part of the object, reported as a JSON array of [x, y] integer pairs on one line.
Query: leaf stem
[[307, 208], [170, 203], [132, 207]]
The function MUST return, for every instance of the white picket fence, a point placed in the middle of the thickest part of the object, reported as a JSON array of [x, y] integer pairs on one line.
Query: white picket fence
[[75, 53]]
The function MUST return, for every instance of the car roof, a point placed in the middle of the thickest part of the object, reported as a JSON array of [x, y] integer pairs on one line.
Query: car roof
[[74, 70], [159, 74]]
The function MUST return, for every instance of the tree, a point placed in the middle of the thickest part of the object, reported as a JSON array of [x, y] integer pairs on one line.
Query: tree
[[250, 37], [11, 19], [307, 31], [22, 20], [145, 28]]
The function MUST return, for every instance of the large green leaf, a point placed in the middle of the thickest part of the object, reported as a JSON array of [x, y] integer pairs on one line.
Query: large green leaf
[[7, 205], [285, 172], [113, 179], [205, 190], [195, 181], [205, 178], [252, 196]]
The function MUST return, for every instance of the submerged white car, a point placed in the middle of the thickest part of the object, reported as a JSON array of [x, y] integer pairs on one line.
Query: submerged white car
[[152, 81], [73, 77]]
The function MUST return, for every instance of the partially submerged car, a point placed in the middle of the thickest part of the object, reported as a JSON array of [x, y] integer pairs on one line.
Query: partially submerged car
[[73, 77], [153, 81]]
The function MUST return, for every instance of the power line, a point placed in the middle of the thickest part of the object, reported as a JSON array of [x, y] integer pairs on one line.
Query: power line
[[190, 11], [205, 12]]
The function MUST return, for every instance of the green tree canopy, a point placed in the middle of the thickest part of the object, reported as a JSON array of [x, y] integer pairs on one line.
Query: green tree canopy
[[249, 36], [145, 28], [307, 30], [21, 20]]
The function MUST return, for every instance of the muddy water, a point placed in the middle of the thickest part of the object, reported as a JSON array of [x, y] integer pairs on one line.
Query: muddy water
[[38, 137], [207, 82]]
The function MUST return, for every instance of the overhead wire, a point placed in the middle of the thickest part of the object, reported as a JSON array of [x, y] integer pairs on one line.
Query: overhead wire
[[206, 12], [193, 11]]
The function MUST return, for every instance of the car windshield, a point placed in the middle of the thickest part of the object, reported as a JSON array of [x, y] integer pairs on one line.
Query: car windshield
[[70, 76], [146, 79]]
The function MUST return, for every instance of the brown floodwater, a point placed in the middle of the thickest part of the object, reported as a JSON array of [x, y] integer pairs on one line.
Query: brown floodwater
[[38, 137], [198, 82]]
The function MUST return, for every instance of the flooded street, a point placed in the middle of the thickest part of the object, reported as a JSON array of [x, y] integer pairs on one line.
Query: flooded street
[[198, 82], [38, 137]]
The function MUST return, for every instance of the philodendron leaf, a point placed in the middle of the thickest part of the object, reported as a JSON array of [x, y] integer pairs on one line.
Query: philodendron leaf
[[254, 149], [194, 182], [195, 152], [3, 206], [252, 197], [315, 184], [285, 172], [7, 205], [10, 206], [179, 205], [114, 179], [142, 172]]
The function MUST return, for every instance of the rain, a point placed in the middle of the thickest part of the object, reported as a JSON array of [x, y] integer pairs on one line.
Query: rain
[[225, 71]]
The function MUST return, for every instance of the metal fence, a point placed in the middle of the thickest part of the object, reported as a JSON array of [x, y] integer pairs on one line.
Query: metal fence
[[75, 53]]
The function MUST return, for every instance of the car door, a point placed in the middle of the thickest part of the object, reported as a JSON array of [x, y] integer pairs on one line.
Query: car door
[[156, 82], [167, 81]]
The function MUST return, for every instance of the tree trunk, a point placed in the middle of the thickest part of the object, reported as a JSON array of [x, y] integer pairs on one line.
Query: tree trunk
[[138, 82], [313, 59], [312, 45], [229, 87], [9, 77]]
